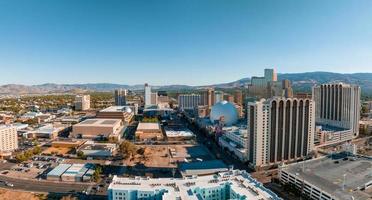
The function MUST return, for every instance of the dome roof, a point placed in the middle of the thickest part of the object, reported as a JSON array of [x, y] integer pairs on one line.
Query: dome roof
[[128, 110], [226, 110]]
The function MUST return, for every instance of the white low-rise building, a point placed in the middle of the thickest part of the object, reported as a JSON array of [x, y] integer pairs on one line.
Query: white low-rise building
[[178, 133], [48, 131], [98, 150], [31, 115], [235, 139], [235, 184]]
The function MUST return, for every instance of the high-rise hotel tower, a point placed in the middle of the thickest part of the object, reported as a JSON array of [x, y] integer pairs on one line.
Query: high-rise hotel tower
[[338, 106], [188, 101], [280, 129]]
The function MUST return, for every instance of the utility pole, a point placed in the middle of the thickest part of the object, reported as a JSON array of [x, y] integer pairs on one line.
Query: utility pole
[[343, 184], [303, 166]]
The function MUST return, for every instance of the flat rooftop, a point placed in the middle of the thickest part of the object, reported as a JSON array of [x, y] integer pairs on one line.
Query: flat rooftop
[[117, 109], [366, 122], [178, 132], [5, 127], [186, 188], [330, 128], [202, 167], [326, 174], [97, 146], [99, 122], [240, 130], [148, 126], [48, 129]]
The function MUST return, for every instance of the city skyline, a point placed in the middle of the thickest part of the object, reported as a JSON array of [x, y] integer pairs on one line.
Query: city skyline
[[100, 43], [196, 100]]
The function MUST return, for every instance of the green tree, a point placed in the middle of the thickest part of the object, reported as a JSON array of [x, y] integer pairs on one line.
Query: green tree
[[97, 174], [364, 109], [20, 157], [81, 155], [28, 154], [33, 121], [150, 120], [36, 150], [127, 149], [113, 140]]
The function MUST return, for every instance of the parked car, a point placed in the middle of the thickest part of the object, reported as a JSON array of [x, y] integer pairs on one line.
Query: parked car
[[9, 184]]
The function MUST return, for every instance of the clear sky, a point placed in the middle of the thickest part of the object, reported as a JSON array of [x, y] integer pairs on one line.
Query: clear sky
[[191, 42]]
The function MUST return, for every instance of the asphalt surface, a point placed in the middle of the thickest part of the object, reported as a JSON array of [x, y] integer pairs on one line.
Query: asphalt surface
[[215, 149], [68, 188], [42, 186]]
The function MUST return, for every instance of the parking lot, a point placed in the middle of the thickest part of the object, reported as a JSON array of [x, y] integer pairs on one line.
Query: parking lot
[[34, 169]]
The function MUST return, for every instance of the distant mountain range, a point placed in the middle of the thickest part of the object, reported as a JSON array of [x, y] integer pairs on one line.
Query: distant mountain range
[[300, 82]]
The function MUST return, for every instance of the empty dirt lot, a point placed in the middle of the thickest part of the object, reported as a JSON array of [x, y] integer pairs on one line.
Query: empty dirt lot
[[167, 156]]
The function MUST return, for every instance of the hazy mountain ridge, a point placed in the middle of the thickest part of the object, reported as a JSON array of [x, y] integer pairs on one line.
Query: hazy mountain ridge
[[304, 81], [300, 82]]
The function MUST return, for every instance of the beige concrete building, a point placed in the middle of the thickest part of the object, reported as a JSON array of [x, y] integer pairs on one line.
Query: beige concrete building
[[207, 97], [8, 139], [366, 126], [95, 128], [188, 101], [124, 113], [239, 108], [82, 102], [280, 130], [149, 131], [203, 111], [238, 97], [269, 86], [154, 98], [338, 107], [229, 98]]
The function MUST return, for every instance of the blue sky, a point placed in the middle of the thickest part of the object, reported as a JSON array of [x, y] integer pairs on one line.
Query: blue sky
[[191, 42]]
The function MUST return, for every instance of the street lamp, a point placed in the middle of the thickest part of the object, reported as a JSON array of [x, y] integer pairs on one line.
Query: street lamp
[[343, 184]]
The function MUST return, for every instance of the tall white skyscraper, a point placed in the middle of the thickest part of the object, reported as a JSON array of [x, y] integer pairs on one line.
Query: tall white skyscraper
[[189, 101], [338, 106], [147, 95], [279, 130], [120, 97]]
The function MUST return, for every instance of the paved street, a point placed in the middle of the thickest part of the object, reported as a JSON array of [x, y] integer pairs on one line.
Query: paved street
[[41, 186], [215, 149], [54, 189]]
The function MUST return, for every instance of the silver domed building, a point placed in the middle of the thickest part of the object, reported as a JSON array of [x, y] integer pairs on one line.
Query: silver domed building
[[224, 111]]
